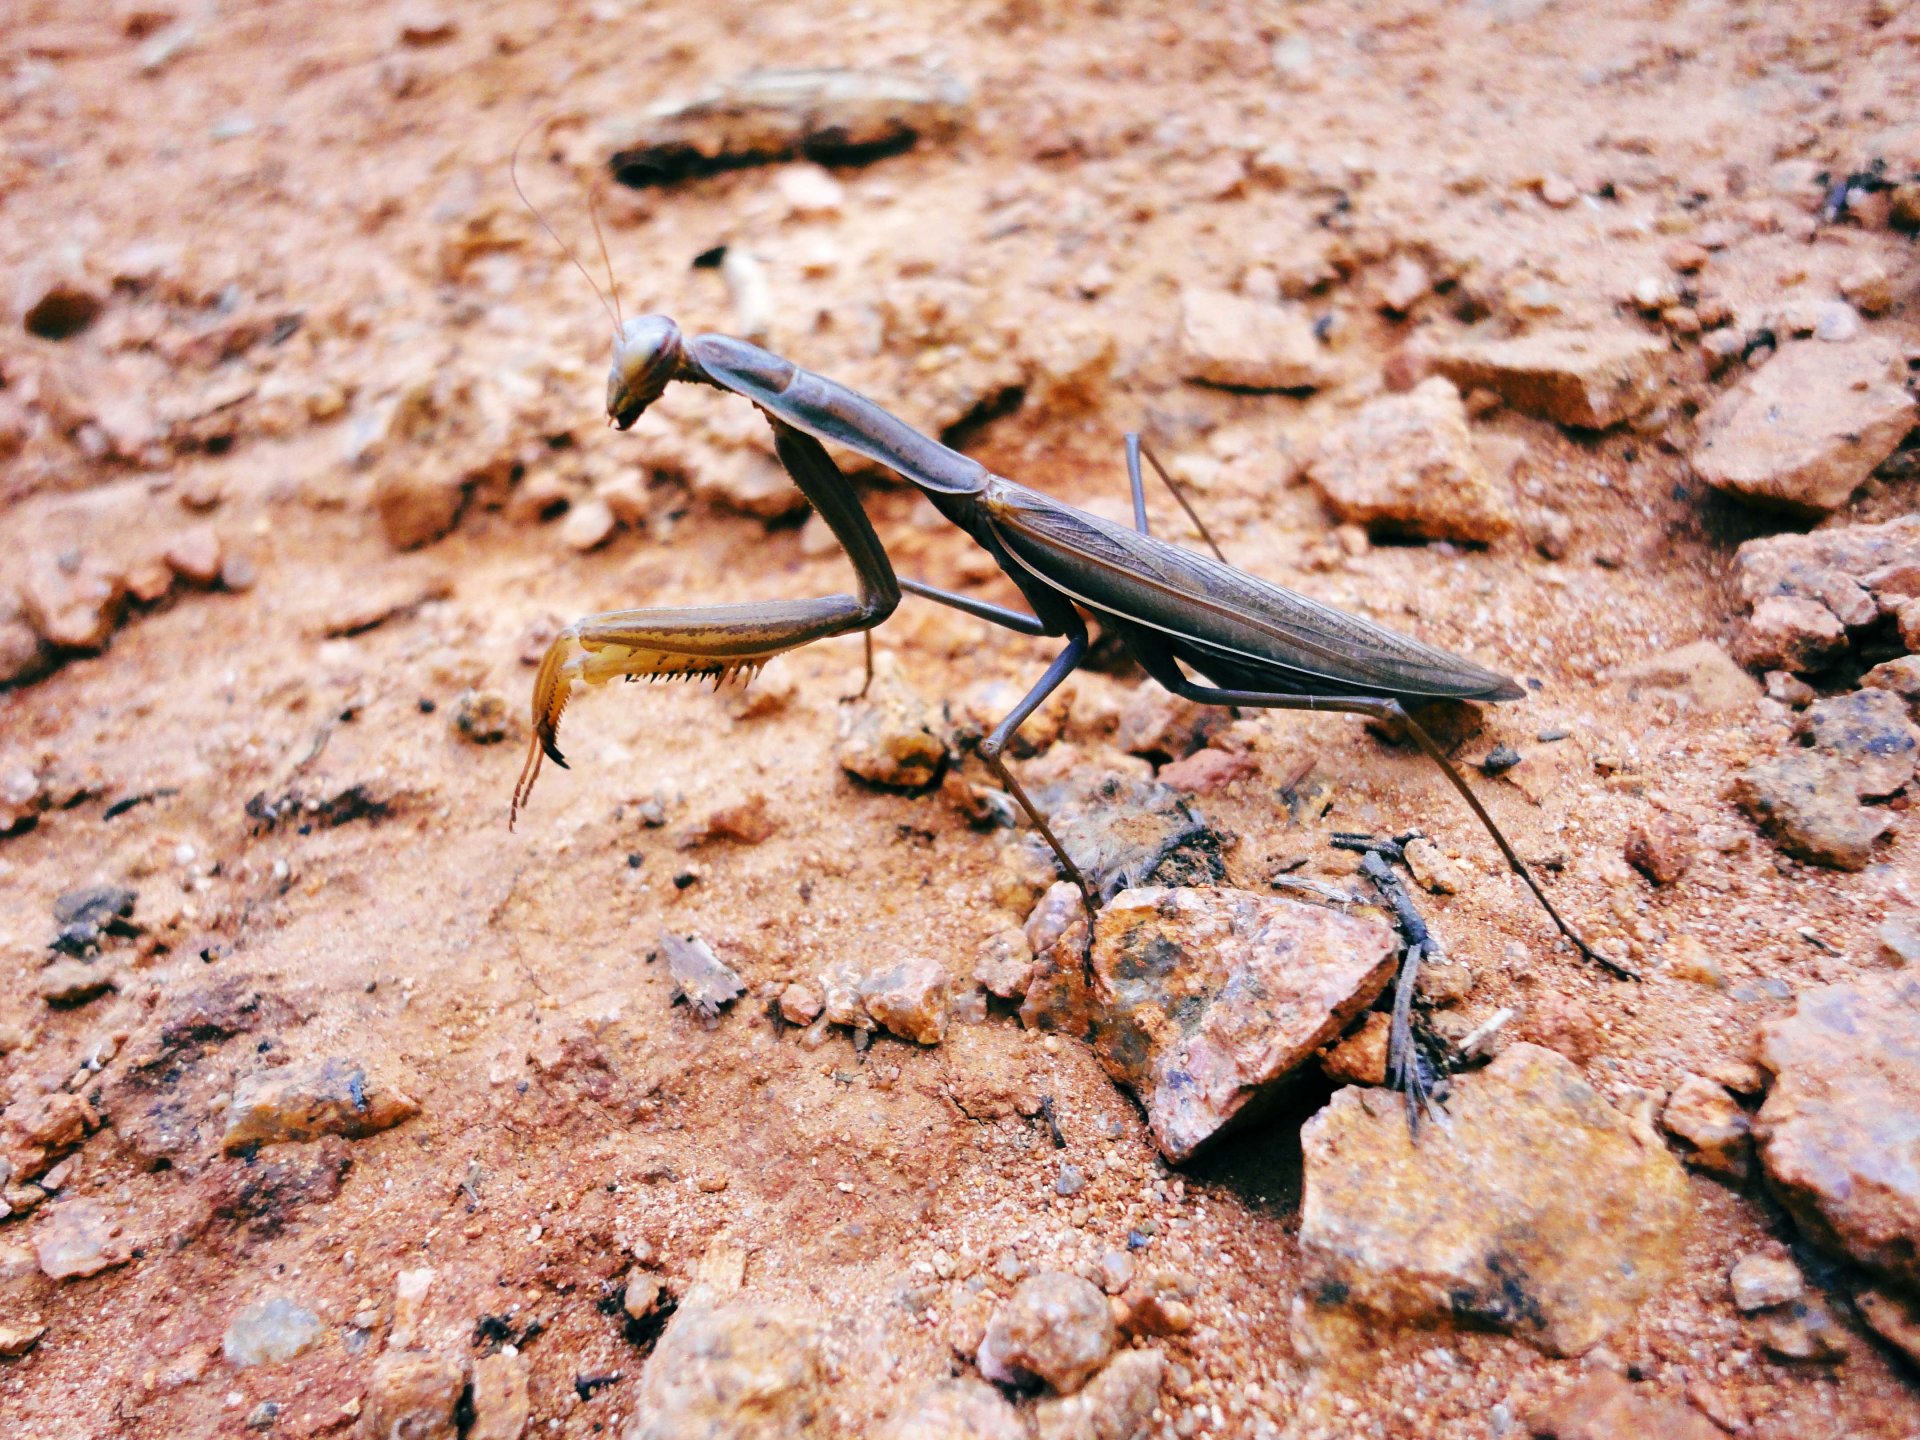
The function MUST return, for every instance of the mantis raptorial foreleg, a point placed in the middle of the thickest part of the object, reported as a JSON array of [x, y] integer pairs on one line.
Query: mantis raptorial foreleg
[[717, 641]]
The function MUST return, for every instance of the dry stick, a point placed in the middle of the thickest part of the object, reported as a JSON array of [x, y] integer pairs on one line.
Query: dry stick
[[1403, 1060]]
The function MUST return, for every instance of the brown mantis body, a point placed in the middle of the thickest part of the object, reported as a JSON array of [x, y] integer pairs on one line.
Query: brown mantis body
[[1257, 644]]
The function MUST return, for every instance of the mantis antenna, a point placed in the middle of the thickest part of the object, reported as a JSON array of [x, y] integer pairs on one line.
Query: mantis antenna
[[513, 173]]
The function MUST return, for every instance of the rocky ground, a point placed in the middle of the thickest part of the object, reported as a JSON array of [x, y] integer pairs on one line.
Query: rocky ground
[[763, 1082]]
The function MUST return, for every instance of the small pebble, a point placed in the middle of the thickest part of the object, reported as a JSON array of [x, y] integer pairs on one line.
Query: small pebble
[[588, 526], [1900, 940], [238, 574], [1759, 1282], [480, 716], [1654, 292], [1690, 961], [800, 1004], [270, 1332], [1558, 191], [1055, 1326], [427, 27], [196, 556], [1446, 983], [1787, 632], [1116, 1271], [1868, 287], [1361, 1058], [70, 982], [642, 1293], [809, 190], [79, 1238], [1159, 1303], [910, 999], [1500, 759], [1434, 871], [1838, 322], [415, 1394], [1804, 1330], [1710, 1125], [1789, 689], [1661, 847]]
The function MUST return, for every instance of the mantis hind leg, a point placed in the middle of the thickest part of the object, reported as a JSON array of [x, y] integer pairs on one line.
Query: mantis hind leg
[[1162, 667]]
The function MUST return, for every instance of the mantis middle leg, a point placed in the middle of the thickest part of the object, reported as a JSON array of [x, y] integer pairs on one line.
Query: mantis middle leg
[[1135, 449]]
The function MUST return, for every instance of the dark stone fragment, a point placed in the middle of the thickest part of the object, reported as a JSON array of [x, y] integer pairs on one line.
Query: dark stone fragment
[[1500, 759], [267, 1186], [97, 905]]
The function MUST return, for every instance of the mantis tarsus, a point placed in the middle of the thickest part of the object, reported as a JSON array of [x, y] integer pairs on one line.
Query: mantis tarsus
[[1259, 645]]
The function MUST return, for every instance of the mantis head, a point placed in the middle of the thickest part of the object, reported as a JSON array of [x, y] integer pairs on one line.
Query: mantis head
[[647, 354]]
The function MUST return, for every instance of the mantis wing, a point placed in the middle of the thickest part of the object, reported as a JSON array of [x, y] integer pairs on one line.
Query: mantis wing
[[1212, 611]]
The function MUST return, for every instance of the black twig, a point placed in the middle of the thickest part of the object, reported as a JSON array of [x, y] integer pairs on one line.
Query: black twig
[[1412, 928], [1053, 1122], [1407, 1068]]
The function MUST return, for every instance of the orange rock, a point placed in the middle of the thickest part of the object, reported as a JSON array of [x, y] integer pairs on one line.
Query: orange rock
[[1406, 463], [1605, 1406], [308, 1099], [1843, 1113], [1661, 848], [1204, 999], [74, 610], [1054, 1326], [1808, 427], [1206, 771], [1586, 379], [196, 555]]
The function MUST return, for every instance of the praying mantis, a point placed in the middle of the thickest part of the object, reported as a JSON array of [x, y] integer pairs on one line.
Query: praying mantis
[[1179, 613]]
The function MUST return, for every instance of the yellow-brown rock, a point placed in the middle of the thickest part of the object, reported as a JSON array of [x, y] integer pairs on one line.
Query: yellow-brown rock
[[1536, 1208], [741, 1370], [1839, 1134], [308, 1099]]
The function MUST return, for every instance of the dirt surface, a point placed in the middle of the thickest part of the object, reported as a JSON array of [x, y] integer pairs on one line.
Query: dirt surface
[[294, 216]]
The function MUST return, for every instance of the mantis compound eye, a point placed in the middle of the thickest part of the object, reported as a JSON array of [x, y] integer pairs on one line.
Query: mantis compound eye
[[647, 354]]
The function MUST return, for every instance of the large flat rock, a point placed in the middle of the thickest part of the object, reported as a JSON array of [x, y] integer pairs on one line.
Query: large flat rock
[[1532, 1207], [1246, 344], [1807, 427], [1205, 999], [1588, 379], [1809, 591], [1405, 464]]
